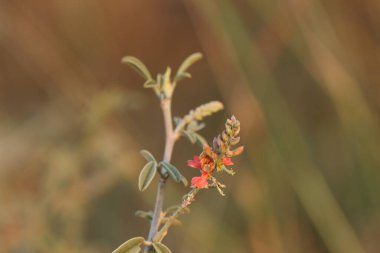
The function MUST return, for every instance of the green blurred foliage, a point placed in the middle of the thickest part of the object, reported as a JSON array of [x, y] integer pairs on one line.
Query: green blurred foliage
[[301, 76]]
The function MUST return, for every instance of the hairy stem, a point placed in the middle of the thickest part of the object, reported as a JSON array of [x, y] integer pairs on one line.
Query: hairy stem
[[169, 145]]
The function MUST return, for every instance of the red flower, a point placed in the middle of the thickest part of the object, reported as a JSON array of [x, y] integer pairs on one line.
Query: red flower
[[227, 161], [200, 182], [206, 163], [195, 163]]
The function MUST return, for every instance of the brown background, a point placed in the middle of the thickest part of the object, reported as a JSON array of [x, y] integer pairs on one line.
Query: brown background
[[302, 76]]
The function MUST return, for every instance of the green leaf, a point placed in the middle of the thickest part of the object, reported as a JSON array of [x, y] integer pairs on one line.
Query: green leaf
[[190, 135], [174, 208], [147, 175], [145, 215], [147, 155], [161, 248], [173, 171], [166, 77], [181, 76], [181, 72], [195, 126], [130, 246], [138, 66], [150, 84]]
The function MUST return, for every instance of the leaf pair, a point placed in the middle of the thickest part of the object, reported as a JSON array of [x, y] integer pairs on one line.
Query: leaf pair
[[150, 169], [195, 137], [162, 85], [133, 246]]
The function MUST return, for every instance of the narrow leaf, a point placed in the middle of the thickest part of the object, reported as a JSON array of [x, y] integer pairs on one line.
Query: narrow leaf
[[143, 214], [147, 155], [188, 62], [174, 208], [138, 66], [181, 76], [190, 135], [161, 248], [173, 171], [150, 83], [195, 126], [166, 77], [130, 246], [147, 175]]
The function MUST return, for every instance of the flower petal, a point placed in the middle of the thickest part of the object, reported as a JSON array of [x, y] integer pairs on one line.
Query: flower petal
[[195, 163], [200, 182], [227, 161]]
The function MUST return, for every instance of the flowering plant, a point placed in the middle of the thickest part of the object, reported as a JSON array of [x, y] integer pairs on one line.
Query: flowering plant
[[211, 160]]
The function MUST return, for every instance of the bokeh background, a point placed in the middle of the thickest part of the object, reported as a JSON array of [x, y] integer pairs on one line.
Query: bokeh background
[[302, 76]]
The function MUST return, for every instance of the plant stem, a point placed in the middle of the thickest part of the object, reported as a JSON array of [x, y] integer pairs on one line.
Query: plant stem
[[169, 145], [164, 230]]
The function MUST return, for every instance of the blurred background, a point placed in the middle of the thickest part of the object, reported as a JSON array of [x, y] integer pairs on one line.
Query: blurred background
[[302, 77]]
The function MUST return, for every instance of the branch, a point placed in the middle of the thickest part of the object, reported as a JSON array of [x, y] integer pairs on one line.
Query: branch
[[169, 145]]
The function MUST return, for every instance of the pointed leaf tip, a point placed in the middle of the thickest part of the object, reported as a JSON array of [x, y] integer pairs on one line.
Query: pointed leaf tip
[[147, 174], [174, 172], [190, 60], [138, 66], [130, 246], [147, 155], [161, 248]]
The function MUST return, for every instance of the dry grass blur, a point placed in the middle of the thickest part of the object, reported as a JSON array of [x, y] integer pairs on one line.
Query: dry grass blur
[[302, 76]]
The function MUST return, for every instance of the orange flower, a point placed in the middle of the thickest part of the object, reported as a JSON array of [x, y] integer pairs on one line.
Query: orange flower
[[206, 163], [200, 182]]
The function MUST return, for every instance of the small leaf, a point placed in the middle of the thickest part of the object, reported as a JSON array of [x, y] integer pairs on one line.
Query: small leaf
[[182, 76], [195, 126], [150, 84], [229, 171], [145, 215], [138, 66], [147, 155], [174, 208], [190, 135], [161, 248], [166, 77], [174, 222], [173, 171], [147, 175], [187, 63], [130, 246]]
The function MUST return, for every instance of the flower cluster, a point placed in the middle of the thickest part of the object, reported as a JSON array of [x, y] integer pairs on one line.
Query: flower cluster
[[218, 157]]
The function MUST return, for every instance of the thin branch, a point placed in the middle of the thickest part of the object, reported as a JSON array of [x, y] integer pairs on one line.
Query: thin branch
[[169, 145]]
